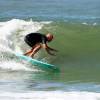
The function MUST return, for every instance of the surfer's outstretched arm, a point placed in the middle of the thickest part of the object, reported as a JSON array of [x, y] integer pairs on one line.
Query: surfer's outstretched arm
[[48, 49], [52, 49]]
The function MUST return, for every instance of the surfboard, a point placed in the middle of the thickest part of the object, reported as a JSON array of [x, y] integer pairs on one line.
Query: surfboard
[[38, 63]]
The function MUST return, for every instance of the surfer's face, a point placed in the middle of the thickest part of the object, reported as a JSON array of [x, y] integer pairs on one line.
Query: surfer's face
[[49, 37]]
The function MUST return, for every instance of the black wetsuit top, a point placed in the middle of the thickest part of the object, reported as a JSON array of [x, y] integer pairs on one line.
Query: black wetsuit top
[[34, 38]]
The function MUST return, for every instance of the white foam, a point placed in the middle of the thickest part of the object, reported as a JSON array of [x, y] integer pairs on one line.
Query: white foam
[[50, 95], [12, 65], [85, 23], [94, 24], [17, 24], [15, 66]]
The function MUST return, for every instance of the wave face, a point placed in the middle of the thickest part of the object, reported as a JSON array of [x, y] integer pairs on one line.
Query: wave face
[[78, 45], [76, 41]]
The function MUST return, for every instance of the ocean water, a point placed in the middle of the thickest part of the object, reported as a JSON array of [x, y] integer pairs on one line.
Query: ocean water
[[76, 29]]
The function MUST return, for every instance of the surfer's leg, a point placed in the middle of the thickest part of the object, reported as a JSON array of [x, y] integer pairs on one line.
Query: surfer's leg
[[35, 50], [30, 51]]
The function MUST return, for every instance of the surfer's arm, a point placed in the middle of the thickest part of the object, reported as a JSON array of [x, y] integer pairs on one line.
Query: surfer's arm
[[46, 46], [51, 49], [48, 49]]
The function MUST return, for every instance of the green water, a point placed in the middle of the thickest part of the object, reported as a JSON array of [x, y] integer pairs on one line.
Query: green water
[[79, 50]]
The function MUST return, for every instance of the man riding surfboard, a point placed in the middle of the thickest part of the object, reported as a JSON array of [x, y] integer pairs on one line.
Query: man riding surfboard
[[38, 41]]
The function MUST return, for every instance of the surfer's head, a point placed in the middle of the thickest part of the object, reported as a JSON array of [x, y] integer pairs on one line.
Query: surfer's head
[[49, 37]]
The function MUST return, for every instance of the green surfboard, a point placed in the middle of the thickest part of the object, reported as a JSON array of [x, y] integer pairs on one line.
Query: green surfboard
[[38, 63]]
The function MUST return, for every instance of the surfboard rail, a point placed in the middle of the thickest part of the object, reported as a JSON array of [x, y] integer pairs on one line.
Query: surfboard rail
[[38, 63]]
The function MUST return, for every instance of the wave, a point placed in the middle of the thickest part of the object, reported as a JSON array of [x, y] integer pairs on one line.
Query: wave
[[51, 95], [75, 40], [77, 43]]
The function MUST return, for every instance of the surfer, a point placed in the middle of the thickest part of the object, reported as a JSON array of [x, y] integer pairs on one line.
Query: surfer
[[38, 41]]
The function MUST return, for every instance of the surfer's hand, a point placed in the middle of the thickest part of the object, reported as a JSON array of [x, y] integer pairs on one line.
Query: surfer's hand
[[49, 52], [48, 49], [52, 49]]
